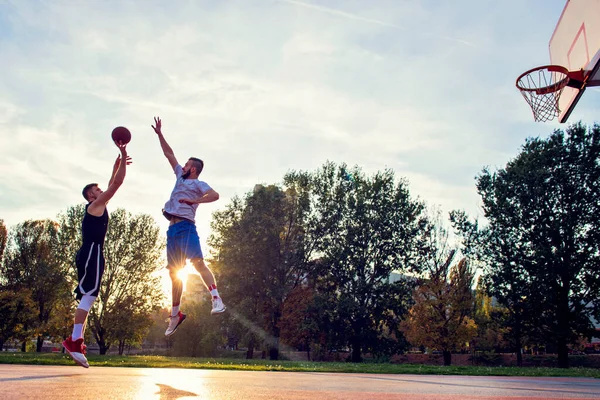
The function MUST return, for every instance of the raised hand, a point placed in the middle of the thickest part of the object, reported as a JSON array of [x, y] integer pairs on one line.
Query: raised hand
[[158, 123]]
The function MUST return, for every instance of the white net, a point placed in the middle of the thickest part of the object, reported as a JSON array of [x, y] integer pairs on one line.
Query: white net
[[541, 87]]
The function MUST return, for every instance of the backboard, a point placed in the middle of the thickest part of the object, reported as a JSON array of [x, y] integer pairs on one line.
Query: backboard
[[575, 45]]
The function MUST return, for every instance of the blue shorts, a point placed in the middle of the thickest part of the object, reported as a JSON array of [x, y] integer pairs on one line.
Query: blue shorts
[[182, 243]]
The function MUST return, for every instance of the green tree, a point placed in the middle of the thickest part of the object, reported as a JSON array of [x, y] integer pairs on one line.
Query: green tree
[[507, 274], [367, 227], [262, 253], [544, 235], [17, 311], [31, 263], [131, 286]]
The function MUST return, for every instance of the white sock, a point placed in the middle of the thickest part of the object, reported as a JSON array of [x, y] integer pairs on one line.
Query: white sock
[[174, 311], [77, 332], [214, 293]]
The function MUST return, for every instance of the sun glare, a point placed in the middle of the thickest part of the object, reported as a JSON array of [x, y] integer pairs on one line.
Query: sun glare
[[166, 281]]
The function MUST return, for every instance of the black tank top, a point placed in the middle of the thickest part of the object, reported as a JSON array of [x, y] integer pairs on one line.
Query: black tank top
[[93, 229]]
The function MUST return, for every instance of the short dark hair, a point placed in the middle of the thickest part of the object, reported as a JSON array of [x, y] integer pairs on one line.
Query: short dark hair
[[86, 189], [197, 163]]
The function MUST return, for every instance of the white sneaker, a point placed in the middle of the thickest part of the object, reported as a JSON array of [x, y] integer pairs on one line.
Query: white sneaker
[[174, 323], [217, 306]]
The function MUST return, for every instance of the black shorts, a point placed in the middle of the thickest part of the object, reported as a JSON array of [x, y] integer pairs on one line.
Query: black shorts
[[90, 268]]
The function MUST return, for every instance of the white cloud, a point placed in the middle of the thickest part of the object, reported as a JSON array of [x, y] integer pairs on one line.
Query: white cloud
[[260, 88]]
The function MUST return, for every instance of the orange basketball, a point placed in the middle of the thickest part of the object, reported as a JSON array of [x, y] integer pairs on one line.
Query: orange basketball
[[121, 134]]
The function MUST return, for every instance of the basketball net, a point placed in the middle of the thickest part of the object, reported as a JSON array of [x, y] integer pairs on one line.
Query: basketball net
[[541, 87]]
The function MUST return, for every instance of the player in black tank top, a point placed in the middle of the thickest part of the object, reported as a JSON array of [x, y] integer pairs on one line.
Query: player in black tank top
[[93, 229], [90, 257]]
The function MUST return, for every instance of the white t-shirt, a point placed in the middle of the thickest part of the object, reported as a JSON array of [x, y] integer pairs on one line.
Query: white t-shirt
[[191, 189]]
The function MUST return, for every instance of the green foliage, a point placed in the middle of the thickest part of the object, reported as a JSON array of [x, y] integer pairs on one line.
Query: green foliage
[[261, 254], [366, 228], [542, 244], [31, 263], [17, 312]]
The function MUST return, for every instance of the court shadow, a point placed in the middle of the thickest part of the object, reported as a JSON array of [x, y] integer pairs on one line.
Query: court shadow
[[167, 392]]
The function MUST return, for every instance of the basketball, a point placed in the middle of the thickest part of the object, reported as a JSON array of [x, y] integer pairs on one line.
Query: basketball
[[121, 134]]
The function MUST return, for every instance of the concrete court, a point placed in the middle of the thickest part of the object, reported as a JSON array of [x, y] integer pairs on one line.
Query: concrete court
[[65, 382]]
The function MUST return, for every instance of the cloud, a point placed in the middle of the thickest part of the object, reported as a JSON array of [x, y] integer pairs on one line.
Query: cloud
[[258, 89]]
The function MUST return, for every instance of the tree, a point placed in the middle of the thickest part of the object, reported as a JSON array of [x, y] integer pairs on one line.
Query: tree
[[17, 310], [130, 287], [490, 320], [3, 239], [507, 274], [262, 253], [440, 318], [543, 236], [366, 227], [297, 328], [31, 263]]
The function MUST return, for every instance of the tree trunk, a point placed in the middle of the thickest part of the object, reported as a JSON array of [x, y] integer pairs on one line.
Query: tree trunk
[[563, 325], [307, 350], [121, 347], [274, 345], [447, 357], [356, 356], [274, 350], [563, 354], [250, 351], [518, 345], [39, 344], [103, 346], [24, 346]]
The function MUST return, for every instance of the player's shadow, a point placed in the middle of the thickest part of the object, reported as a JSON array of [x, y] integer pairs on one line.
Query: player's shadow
[[167, 392]]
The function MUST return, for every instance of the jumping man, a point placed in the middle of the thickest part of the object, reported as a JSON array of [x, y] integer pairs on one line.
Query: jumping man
[[182, 238]]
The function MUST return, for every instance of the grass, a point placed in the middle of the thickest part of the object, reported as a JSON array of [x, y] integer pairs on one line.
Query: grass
[[290, 366]]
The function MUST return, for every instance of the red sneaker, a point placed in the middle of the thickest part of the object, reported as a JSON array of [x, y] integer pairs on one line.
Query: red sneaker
[[76, 350], [174, 323]]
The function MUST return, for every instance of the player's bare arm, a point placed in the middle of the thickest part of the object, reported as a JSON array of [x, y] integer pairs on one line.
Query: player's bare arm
[[97, 206], [116, 168], [167, 150], [208, 197]]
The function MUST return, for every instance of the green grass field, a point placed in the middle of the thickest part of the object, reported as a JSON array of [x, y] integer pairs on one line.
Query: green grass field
[[291, 366]]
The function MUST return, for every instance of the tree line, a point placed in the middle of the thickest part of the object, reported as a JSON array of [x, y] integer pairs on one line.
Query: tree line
[[336, 259]]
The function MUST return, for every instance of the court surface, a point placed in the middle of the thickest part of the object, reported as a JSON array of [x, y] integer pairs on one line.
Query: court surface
[[65, 382]]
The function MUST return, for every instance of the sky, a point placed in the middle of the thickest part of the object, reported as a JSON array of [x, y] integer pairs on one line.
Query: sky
[[258, 88]]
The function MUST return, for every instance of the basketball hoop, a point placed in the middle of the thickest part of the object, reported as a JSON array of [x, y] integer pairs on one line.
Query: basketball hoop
[[541, 87]]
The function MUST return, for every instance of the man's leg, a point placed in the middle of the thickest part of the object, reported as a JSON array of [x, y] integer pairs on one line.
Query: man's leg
[[176, 289], [74, 344], [176, 317], [211, 284]]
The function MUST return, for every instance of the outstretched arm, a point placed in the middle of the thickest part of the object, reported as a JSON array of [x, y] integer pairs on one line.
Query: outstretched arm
[[208, 197], [116, 168], [167, 150], [98, 205]]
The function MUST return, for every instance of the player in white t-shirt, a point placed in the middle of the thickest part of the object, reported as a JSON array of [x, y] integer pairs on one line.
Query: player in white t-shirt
[[182, 238]]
